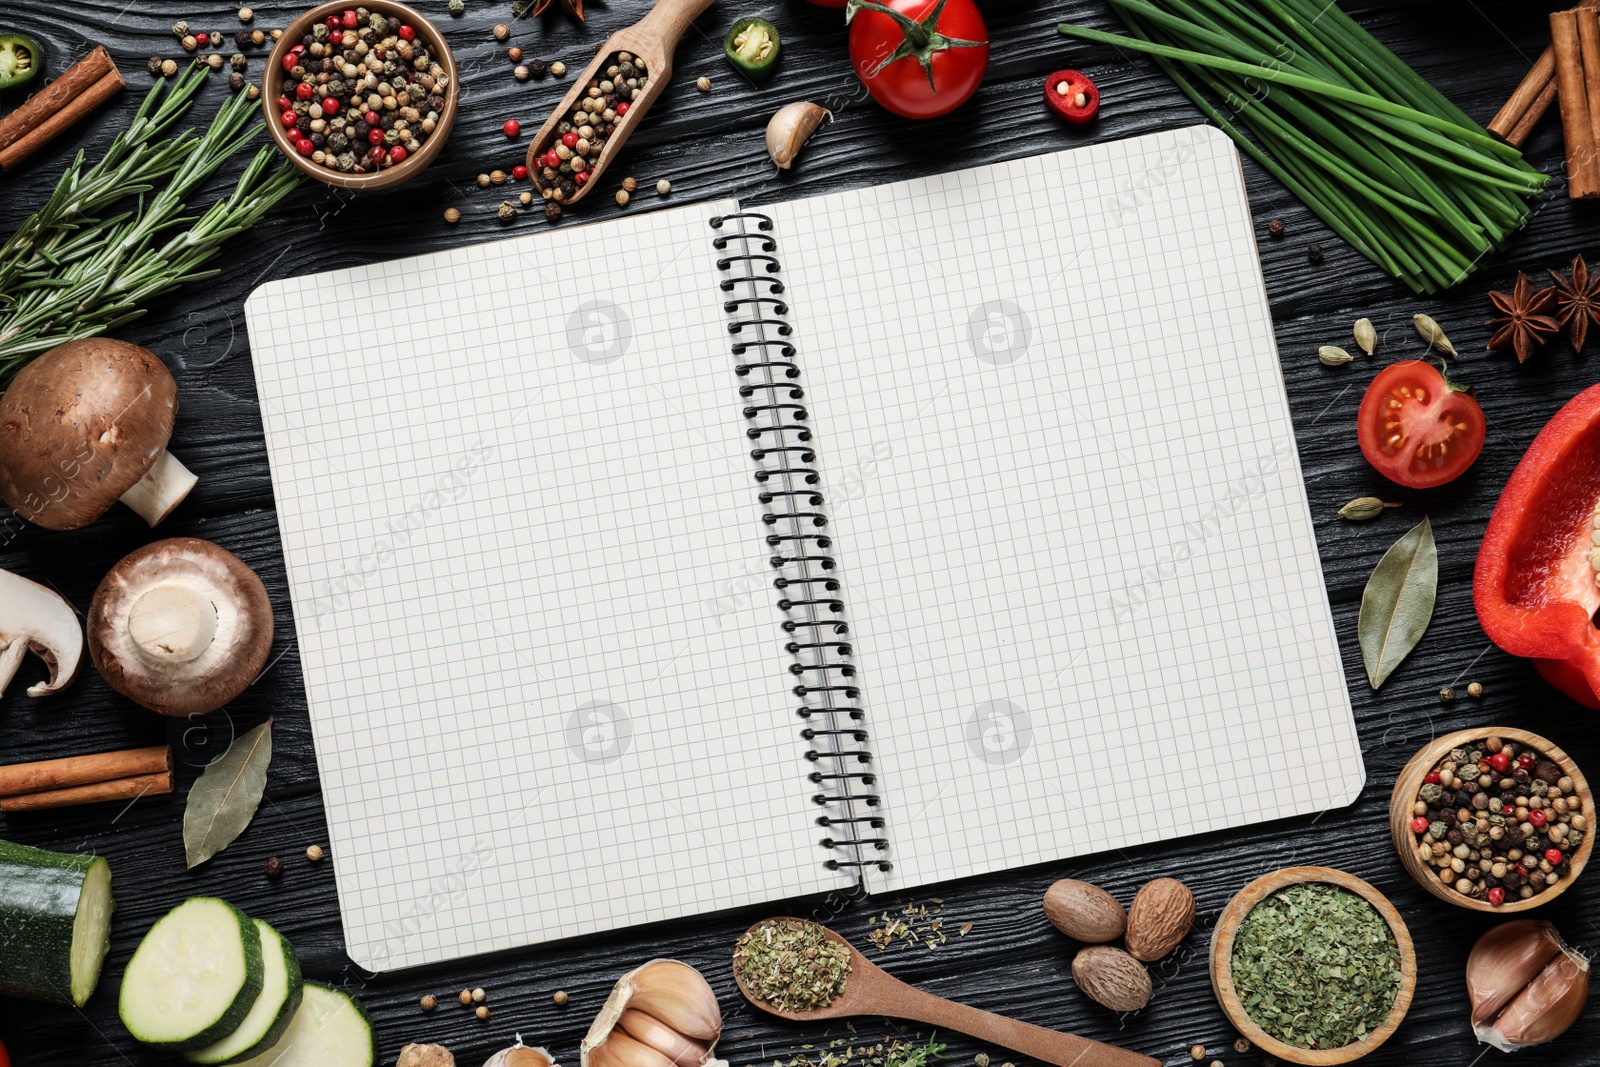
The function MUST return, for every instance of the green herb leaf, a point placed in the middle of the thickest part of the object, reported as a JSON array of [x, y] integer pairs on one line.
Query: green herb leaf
[[1397, 604], [225, 797]]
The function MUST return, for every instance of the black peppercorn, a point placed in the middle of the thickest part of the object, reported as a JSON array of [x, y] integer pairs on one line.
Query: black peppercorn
[[1275, 227], [1468, 788], [236, 81], [538, 67], [1512, 879], [1454, 837], [1480, 802], [1546, 771], [1314, 253], [274, 867], [552, 210]]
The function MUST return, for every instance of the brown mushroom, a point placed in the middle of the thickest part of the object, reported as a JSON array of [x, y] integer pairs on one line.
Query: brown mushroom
[[181, 626], [37, 619], [87, 424]]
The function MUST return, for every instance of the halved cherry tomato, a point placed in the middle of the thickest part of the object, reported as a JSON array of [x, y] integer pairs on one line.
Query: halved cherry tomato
[[1072, 96], [5, 1061], [918, 58], [1417, 427]]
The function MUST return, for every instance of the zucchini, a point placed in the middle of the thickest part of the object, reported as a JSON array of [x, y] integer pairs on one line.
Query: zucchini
[[55, 923], [273, 1010], [194, 977], [331, 1029]]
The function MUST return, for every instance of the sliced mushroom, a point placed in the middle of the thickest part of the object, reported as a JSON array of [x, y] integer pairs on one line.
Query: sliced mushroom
[[35, 618], [85, 424], [181, 626]]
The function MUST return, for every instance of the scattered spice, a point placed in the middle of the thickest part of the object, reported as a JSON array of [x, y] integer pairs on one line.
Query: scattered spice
[[1364, 508], [663, 187], [1397, 603], [1275, 228], [1495, 819], [1073, 96], [1241, 1044], [514, 54], [1366, 336], [452, 215], [1314, 253], [273, 867], [791, 964], [506, 211], [893, 1052], [1333, 356], [966, 928], [1447, 695], [1524, 323], [457, 7], [560, 997], [501, 31], [465, 997], [981, 1059], [622, 198], [630, 184], [1316, 966], [1474, 690], [314, 853], [246, 15], [1577, 301], [169, 67], [525, 198], [580, 137], [512, 128], [915, 924], [539, 67], [1197, 1053], [429, 1002], [362, 92], [479, 996], [703, 83], [552, 210], [520, 73], [482, 1013], [558, 68], [497, 177]]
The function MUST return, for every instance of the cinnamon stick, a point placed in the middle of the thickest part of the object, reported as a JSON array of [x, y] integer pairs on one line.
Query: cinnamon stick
[[20, 778], [1532, 98], [81, 89], [1589, 48], [1583, 170], [117, 789]]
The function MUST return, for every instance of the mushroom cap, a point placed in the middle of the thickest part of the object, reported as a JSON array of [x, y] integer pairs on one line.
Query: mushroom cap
[[79, 426], [235, 654], [37, 619]]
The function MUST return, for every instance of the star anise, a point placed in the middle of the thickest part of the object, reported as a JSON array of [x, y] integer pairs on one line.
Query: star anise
[[1577, 302], [1523, 324]]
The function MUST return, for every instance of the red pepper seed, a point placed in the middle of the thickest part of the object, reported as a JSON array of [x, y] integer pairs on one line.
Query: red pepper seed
[[1431, 778], [336, 37], [1554, 856], [349, 20], [407, 33], [332, 22], [397, 154], [569, 139], [1500, 762], [1537, 817], [1419, 825], [290, 120], [330, 105], [519, 172], [375, 137], [1497, 896], [622, 108], [284, 103], [202, 39], [372, 118], [512, 127]]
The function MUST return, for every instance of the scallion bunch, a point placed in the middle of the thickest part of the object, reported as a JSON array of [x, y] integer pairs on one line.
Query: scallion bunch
[[1368, 145]]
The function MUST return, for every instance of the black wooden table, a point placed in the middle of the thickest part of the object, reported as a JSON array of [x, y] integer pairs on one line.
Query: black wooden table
[[710, 145]]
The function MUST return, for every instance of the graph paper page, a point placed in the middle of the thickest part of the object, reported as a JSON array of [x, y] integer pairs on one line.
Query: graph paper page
[[1073, 536], [542, 659]]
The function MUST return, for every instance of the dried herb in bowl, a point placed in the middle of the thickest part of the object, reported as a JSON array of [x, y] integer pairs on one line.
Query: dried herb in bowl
[[1316, 966], [791, 964]]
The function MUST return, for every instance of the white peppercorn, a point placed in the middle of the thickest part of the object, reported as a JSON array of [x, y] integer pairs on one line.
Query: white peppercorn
[[663, 187]]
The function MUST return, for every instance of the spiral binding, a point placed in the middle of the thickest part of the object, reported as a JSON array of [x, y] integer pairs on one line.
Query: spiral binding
[[781, 441]]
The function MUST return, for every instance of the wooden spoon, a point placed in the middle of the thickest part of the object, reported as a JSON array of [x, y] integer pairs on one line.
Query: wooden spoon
[[872, 991], [653, 39]]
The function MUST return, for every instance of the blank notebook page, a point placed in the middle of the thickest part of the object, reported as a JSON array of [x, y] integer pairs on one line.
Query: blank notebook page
[[1073, 535], [514, 494]]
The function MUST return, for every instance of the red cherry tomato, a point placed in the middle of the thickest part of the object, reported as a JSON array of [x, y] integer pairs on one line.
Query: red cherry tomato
[[1072, 96], [1416, 427], [5, 1060], [919, 58]]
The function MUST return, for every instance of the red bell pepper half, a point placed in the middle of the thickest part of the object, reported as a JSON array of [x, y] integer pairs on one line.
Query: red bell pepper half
[[1535, 586]]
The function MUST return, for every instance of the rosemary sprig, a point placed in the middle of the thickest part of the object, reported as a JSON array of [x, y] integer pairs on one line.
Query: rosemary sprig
[[67, 274]]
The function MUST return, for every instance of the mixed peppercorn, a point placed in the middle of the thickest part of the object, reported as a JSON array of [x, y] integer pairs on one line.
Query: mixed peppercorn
[[1497, 820], [361, 92], [581, 137]]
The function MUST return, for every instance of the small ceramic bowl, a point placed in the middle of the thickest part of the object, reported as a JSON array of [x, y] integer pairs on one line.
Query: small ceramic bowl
[[389, 177], [1409, 783], [1222, 964]]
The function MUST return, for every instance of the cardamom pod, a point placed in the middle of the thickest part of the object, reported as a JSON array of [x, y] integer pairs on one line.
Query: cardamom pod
[[1332, 356], [1363, 508], [1431, 333], [1366, 336]]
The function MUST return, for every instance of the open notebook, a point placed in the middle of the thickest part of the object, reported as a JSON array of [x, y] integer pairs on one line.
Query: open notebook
[[1011, 443]]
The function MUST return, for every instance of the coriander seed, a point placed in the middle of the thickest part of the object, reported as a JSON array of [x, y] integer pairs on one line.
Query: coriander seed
[[314, 853], [258, 38], [452, 215], [630, 184], [501, 31], [465, 997], [482, 1012], [703, 83], [498, 177], [483, 181], [252, 92], [214, 61], [524, 198], [663, 187], [429, 1002], [276, 35], [189, 43], [514, 54], [1197, 1053], [1474, 690], [558, 68], [622, 198], [560, 997]]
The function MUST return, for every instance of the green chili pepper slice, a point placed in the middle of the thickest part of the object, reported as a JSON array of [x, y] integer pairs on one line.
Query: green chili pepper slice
[[21, 59], [752, 47]]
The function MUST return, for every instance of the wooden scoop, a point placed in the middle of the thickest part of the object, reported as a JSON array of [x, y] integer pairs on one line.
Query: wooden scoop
[[653, 39], [872, 991]]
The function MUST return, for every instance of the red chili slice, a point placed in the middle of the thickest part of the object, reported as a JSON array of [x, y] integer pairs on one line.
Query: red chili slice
[[1072, 96]]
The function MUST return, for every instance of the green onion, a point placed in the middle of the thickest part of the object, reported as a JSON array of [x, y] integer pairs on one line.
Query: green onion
[[1365, 142]]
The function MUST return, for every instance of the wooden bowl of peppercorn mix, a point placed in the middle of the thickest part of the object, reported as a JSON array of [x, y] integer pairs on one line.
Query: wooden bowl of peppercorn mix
[[393, 79], [1379, 930], [1509, 845]]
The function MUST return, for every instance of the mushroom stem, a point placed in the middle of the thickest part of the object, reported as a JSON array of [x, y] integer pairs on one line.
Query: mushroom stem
[[162, 488], [171, 624]]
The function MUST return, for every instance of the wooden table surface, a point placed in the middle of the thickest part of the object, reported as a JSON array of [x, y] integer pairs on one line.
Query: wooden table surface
[[710, 145]]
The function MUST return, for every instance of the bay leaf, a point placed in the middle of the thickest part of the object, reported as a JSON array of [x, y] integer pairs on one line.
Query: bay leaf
[[224, 798], [1397, 603]]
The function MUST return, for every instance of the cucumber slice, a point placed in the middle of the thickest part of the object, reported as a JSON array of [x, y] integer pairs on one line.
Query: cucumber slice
[[55, 923], [273, 1010], [194, 977], [331, 1029]]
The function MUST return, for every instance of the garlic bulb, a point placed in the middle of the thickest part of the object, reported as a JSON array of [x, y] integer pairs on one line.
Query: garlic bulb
[[519, 1055], [790, 127], [1525, 984], [663, 1014]]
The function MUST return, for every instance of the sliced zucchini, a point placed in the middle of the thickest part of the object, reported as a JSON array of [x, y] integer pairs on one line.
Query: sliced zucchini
[[331, 1029], [55, 923], [194, 977], [273, 1010]]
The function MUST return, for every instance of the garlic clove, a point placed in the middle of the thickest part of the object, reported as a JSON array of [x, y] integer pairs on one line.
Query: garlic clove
[[1545, 1008], [1504, 961], [684, 1051], [620, 1050], [790, 127], [679, 996], [520, 1055]]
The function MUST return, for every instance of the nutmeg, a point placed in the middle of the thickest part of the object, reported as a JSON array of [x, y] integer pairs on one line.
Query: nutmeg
[[1084, 912], [1160, 918], [1110, 977]]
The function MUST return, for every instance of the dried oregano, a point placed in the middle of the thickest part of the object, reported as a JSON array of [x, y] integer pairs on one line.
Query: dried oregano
[[1316, 966], [792, 964]]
